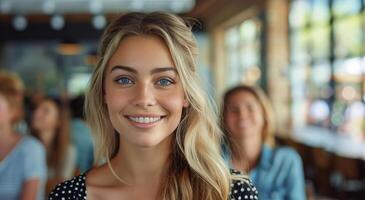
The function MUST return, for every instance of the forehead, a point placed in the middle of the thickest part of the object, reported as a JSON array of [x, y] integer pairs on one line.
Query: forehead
[[48, 104], [143, 52], [242, 97]]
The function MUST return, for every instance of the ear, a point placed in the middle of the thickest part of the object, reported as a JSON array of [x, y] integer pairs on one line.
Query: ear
[[186, 103]]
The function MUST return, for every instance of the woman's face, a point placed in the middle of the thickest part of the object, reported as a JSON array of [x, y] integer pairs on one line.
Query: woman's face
[[143, 91], [5, 112], [46, 116], [244, 115]]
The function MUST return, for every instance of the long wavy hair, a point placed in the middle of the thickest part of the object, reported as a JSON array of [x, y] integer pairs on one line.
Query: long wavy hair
[[197, 170]]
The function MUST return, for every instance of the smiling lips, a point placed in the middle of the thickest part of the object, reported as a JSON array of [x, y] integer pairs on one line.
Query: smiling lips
[[144, 121], [243, 124]]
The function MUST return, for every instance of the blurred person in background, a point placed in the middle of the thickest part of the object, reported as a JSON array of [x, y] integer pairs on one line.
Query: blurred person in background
[[81, 135], [248, 122], [31, 100], [50, 123], [23, 168]]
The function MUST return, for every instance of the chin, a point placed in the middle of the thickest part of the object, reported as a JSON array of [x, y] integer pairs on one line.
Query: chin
[[152, 142]]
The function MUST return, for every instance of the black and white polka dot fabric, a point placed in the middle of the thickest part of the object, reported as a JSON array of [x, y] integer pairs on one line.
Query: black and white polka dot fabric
[[243, 190], [75, 189]]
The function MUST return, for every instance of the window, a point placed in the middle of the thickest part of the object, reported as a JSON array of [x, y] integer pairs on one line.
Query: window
[[327, 45], [243, 57], [348, 36]]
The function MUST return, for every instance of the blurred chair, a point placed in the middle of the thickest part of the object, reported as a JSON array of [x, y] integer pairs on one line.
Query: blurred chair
[[323, 161], [347, 178]]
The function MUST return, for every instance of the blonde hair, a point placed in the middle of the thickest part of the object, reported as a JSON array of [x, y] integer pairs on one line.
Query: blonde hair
[[12, 88], [268, 113], [197, 170]]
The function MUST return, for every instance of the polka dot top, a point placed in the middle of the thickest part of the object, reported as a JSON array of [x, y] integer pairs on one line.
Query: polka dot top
[[242, 190], [75, 189]]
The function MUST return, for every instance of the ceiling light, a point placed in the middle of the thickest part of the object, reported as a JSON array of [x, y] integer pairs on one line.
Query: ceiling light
[[99, 21], [95, 6], [20, 23], [49, 6], [57, 22], [30, 7], [137, 4], [176, 6]]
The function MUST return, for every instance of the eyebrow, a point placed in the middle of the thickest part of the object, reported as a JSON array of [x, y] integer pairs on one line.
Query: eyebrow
[[154, 71]]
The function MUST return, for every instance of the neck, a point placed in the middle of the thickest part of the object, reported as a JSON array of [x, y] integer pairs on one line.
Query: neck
[[246, 153], [8, 140], [5, 133], [46, 137], [142, 165]]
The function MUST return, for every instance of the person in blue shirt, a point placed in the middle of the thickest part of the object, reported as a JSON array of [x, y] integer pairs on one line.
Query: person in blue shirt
[[23, 168], [248, 122]]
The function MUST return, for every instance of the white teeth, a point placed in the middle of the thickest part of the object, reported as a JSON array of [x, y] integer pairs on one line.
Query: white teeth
[[144, 119]]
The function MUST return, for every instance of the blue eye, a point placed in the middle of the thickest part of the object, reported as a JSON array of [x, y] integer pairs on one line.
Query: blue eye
[[164, 82], [124, 81]]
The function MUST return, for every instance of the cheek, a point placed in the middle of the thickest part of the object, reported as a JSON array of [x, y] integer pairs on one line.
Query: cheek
[[114, 102], [5, 113], [259, 119], [3, 109], [230, 121], [52, 120], [114, 98], [37, 117], [174, 103], [230, 118]]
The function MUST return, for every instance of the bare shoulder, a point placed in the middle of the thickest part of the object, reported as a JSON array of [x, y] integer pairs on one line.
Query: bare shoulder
[[97, 176], [85, 186], [99, 181]]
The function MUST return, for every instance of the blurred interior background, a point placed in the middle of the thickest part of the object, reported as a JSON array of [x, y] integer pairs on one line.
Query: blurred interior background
[[308, 55]]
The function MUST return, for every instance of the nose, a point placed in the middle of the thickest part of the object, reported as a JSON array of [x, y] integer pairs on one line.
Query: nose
[[243, 113], [144, 96]]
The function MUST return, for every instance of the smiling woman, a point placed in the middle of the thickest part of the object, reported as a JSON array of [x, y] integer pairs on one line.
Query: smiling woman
[[153, 124], [145, 100], [248, 121]]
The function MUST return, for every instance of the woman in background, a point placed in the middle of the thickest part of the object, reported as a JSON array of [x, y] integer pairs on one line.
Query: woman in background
[[50, 124], [23, 168], [248, 121], [155, 129]]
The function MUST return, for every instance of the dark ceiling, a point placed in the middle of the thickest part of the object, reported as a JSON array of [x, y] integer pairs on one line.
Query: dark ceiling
[[78, 26]]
